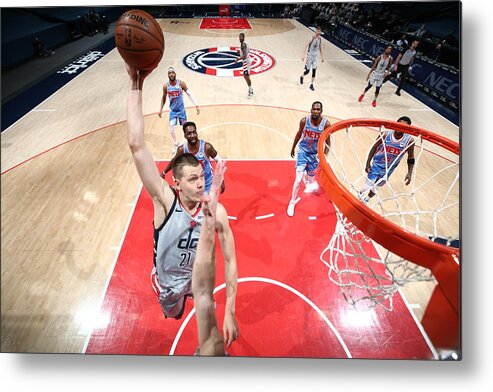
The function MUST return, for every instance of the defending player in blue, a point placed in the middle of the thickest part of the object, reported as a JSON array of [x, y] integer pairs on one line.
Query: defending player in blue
[[311, 127], [386, 153], [177, 115], [203, 151]]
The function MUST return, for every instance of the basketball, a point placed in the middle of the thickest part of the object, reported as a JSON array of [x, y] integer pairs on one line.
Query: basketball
[[139, 39]]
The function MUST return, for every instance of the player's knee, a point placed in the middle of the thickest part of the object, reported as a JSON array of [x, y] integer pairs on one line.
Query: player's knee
[[306, 71], [299, 174], [314, 72]]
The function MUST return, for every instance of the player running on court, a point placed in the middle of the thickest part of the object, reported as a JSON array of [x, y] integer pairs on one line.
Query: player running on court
[[313, 47], [378, 72], [307, 159], [177, 115]]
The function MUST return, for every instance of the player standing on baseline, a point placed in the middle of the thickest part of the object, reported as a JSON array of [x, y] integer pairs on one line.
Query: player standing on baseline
[[378, 72], [307, 159], [178, 218], [177, 115], [203, 151], [247, 62], [313, 47], [386, 153]]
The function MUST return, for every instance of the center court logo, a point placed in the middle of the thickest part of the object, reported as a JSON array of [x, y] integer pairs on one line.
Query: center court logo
[[221, 61]]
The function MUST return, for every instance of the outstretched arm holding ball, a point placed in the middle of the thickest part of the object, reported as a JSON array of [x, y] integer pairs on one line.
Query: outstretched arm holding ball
[[144, 162]]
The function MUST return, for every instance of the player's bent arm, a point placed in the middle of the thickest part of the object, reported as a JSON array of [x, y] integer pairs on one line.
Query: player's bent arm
[[210, 340], [410, 161], [327, 141], [143, 160], [226, 239], [227, 242], [297, 137], [374, 65], [179, 152], [211, 151], [373, 149], [243, 50], [163, 99], [203, 279], [398, 59]]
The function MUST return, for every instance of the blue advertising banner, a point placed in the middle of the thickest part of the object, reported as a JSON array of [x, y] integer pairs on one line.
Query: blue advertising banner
[[17, 107], [439, 81]]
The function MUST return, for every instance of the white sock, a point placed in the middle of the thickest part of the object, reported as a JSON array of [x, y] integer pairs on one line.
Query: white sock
[[173, 133]]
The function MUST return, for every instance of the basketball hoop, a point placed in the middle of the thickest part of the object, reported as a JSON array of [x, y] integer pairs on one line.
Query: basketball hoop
[[414, 227]]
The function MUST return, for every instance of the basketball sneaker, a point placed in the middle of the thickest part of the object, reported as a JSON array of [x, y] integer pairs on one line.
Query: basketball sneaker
[[301, 79], [311, 87], [361, 97], [398, 93], [290, 210], [311, 187], [374, 103]]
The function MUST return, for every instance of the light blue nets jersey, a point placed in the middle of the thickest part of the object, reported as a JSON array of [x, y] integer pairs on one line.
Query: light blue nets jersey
[[204, 161], [310, 136], [175, 95], [391, 151]]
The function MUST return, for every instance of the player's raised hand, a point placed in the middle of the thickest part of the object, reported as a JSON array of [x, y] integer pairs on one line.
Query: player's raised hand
[[230, 329], [136, 75], [407, 179], [210, 201]]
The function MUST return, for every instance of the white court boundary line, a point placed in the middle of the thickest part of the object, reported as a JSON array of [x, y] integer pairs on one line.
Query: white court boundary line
[[246, 123], [276, 283], [103, 294]]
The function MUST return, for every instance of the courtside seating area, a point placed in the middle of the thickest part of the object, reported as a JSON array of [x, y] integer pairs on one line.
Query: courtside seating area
[[53, 26]]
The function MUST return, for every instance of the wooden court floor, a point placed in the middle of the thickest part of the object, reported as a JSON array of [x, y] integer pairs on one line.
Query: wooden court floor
[[69, 184]]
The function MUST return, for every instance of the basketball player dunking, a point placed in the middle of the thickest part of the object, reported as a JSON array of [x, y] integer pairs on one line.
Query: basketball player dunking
[[174, 90], [307, 160], [247, 62], [178, 219], [386, 153], [378, 72], [313, 47], [203, 151]]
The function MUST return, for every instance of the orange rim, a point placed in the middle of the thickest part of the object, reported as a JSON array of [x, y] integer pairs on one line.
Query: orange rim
[[393, 237]]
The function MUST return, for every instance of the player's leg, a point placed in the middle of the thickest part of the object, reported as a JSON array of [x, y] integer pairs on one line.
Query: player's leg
[[173, 120], [249, 83], [314, 73], [300, 169], [246, 76], [376, 179], [311, 184], [305, 72], [377, 91], [402, 81], [367, 88], [172, 304]]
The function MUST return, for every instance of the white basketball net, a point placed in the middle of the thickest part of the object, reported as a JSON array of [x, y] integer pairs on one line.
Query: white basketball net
[[367, 273]]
